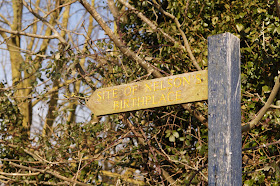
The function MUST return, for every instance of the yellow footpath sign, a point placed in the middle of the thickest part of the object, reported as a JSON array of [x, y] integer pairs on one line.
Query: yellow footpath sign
[[183, 88]]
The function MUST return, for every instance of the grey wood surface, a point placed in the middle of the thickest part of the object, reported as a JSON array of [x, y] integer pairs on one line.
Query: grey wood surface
[[224, 114]]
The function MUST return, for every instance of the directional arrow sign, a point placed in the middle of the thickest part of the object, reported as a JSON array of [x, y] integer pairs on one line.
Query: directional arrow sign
[[183, 88]]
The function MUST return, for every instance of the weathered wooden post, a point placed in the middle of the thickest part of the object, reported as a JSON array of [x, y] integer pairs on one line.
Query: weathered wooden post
[[224, 115]]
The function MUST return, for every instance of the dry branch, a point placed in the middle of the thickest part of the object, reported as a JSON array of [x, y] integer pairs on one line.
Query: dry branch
[[123, 48], [46, 171], [263, 110], [27, 34], [20, 174], [116, 175], [167, 36], [261, 146], [56, 33]]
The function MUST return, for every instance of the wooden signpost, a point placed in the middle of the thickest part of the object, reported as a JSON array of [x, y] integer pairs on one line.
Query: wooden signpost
[[220, 85], [159, 92], [224, 111]]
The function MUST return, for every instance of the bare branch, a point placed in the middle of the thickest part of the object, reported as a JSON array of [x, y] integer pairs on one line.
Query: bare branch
[[116, 175], [124, 49], [46, 171], [167, 36], [59, 37], [5, 20], [274, 106], [263, 110], [186, 43], [34, 30], [27, 34], [61, 6], [113, 9], [261, 146], [20, 174]]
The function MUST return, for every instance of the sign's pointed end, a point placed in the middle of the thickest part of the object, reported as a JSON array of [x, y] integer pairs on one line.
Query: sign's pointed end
[[91, 107]]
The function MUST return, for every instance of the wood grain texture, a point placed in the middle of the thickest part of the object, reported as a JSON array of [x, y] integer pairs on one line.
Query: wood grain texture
[[183, 88], [224, 114]]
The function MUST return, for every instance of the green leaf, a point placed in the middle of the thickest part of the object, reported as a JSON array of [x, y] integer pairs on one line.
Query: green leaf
[[187, 142], [182, 138], [260, 10], [277, 29], [176, 134], [214, 20], [172, 138], [249, 182], [247, 30], [168, 133], [239, 27], [277, 112], [271, 27], [265, 89], [176, 45], [227, 6]]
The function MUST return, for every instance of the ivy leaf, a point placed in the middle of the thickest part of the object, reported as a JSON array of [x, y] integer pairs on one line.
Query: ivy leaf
[[176, 134], [168, 133], [239, 27], [214, 20], [265, 89], [148, 58], [172, 138], [277, 29], [182, 138]]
